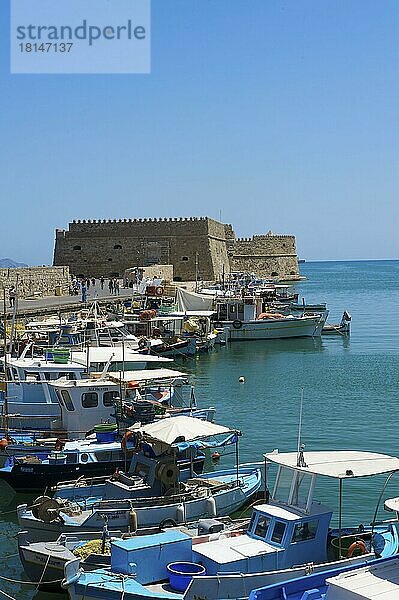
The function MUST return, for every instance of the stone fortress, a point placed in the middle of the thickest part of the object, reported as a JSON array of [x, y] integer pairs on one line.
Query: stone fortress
[[199, 247]]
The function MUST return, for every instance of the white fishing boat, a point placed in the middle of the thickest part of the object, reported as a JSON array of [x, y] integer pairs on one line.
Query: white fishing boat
[[249, 318]]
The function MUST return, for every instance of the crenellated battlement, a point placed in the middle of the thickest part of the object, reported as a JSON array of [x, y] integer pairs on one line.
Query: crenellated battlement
[[139, 220]]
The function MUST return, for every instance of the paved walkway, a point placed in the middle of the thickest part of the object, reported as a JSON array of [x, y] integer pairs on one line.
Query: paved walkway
[[48, 303]]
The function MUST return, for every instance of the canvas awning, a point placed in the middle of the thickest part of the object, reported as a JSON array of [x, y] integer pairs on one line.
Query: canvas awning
[[344, 464], [184, 428], [145, 375], [191, 301]]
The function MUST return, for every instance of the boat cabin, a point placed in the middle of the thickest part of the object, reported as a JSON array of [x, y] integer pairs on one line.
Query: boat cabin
[[291, 529], [87, 402]]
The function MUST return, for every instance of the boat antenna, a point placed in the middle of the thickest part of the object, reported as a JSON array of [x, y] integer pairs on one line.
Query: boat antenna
[[300, 461]]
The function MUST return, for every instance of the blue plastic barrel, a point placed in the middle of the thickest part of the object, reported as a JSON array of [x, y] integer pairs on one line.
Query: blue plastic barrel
[[106, 432], [181, 573]]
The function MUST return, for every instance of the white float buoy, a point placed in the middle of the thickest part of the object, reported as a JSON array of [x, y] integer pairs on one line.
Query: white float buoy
[[241, 379]]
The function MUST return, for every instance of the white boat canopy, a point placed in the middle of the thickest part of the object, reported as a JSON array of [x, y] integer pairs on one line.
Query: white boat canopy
[[145, 375], [102, 354], [344, 464], [186, 428], [392, 504]]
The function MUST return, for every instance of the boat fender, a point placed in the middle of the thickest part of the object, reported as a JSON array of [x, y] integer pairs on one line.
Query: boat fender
[[132, 521], [167, 523], [180, 513], [237, 324], [358, 545], [211, 506]]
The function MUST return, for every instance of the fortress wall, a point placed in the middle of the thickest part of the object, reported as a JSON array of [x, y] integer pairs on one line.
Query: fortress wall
[[266, 255], [29, 280]]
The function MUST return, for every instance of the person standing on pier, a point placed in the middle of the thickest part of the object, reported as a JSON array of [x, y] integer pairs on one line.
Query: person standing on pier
[[11, 295], [111, 286], [84, 292], [102, 282]]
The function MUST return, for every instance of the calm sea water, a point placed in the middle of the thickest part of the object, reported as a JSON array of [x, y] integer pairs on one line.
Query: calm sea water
[[350, 388]]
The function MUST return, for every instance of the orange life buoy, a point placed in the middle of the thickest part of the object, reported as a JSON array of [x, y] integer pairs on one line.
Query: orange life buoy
[[357, 545], [159, 291], [3, 444]]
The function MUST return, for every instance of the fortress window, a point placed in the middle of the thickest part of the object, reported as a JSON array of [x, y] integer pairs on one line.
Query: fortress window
[[184, 258], [292, 273], [117, 247], [274, 274], [77, 247], [110, 260]]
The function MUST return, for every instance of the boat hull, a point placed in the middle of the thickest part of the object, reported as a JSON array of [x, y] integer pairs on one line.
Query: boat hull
[[268, 329]]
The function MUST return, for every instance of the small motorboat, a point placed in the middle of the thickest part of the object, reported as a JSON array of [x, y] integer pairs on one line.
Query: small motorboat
[[342, 328]]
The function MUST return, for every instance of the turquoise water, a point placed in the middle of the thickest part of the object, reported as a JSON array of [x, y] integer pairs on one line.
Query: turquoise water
[[350, 388]]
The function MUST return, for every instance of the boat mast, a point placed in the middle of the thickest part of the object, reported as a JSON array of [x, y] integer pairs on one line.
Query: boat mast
[[5, 416]]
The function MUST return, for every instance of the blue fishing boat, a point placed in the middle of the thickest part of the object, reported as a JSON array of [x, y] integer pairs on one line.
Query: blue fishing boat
[[286, 538], [155, 492]]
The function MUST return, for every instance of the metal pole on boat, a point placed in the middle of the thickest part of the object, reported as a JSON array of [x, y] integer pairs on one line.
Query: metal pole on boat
[[237, 458], [340, 518], [5, 417]]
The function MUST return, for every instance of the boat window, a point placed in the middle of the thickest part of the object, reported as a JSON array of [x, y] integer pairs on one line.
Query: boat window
[[301, 489], [67, 400], [278, 532], [252, 521], [103, 456], [70, 376], [108, 398], [90, 400], [84, 457], [262, 526], [223, 312], [305, 531], [283, 485], [15, 374]]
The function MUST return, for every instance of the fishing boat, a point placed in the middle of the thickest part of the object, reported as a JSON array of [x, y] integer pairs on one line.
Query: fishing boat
[[342, 328], [154, 492], [27, 467], [291, 530], [127, 397], [249, 318], [32, 401], [45, 561]]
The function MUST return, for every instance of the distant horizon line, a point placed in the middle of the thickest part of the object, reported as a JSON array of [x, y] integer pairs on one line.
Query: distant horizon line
[[346, 260]]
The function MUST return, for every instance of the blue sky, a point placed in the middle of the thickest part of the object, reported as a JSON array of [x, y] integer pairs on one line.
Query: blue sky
[[279, 115]]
